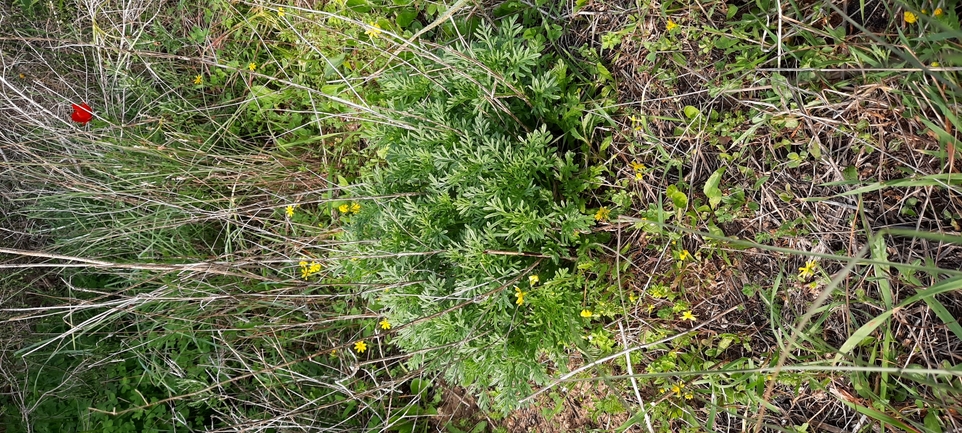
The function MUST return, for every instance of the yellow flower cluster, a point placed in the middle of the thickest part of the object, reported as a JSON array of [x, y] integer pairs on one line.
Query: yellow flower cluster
[[374, 31], [679, 390], [639, 169], [603, 214], [350, 208], [308, 269]]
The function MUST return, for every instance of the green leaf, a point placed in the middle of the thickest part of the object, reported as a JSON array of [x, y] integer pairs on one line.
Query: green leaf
[[711, 188], [420, 385], [691, 112], [678, 198], [405, 17]]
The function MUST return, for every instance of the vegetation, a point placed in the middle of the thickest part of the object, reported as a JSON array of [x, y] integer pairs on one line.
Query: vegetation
[[526, 216]]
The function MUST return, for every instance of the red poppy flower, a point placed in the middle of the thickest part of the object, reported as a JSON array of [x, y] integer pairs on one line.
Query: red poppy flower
[[81, 113]]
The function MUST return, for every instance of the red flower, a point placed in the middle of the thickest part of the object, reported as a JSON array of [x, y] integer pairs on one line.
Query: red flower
[[81, 113]]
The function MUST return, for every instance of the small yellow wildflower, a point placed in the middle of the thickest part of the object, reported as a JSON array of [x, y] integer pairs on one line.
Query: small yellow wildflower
[[689, 395], [520, 295], [586, 313], [309, 269], [602, 214], [344, 208], [808, 270], [670, 25], [360, 346], [676, 389], [632, 298], [924, 11], [289, 210], [684, 255], [385, 324], [252, 66], [355, 207], [280, 12], [639, 175], [637, 166], [688, 316], [935, 64], [374, 31], [938, 12], [910, 17], [533, 279], [199, 79]]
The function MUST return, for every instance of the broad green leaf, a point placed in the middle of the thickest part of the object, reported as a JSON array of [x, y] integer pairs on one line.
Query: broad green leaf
[[711, 188]]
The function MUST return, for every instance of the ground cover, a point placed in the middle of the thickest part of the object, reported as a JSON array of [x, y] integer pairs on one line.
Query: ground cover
[[417, 216]]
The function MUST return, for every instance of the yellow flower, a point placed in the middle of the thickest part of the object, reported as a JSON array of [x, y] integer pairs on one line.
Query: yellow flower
[[309, 269], [935, 64], [602, 214], [688, 316], [938, 12], [676, 389], [344, 208], [910, 17], [632, 298], [280, 12], [671, 25], [374, 31], [637, 166], [520, 295], [252, 66], [808, 270], [689, 396], [355, 207], [289, 210], [924, 11], [684, 255], [639, 175], [586, 313], [385, 324], [360, 346], [199, 79], [533, 279]]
